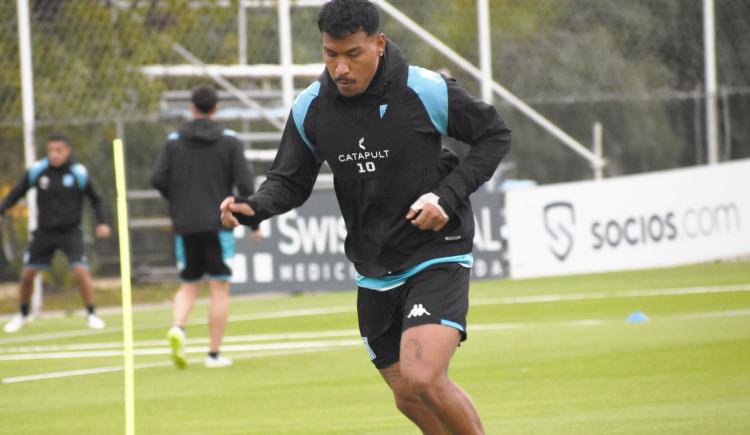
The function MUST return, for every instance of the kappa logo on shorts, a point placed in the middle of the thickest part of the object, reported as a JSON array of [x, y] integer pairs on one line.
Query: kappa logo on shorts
[[418, 311]]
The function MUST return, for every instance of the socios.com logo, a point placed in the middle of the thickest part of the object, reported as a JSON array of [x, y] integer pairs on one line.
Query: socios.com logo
[[559, 222], [648, 229], [642, 230]]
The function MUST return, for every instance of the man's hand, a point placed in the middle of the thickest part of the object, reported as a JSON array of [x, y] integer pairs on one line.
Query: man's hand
[[426, 213], [103, 231], [229, 207]]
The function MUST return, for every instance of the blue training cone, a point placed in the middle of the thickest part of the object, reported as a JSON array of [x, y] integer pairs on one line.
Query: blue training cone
[[637, 317]]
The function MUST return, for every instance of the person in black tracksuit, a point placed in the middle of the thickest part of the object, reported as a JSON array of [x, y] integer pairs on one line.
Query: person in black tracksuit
[[197, 167], [61, 184], [378, 121]]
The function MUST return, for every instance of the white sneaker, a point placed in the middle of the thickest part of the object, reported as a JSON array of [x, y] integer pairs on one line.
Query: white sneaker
[[17, 322], [94, 322], [218, 362], [177, 339]]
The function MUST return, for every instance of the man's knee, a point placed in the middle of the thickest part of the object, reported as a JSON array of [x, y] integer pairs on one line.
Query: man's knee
[[423, 384], [408, 403], [219, 289]]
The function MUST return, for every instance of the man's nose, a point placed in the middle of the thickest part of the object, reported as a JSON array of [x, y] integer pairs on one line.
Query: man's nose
[[342, 68]]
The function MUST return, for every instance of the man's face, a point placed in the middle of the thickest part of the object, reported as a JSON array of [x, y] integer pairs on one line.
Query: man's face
[[352, 61], [57, 152]]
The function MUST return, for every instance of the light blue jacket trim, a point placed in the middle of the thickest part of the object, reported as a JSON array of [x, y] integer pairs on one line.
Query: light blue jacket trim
[[81, 175], [433, 91], [36, 170], [229, 132], [452, 324], [173, 135], [391, 282], [299, 113]]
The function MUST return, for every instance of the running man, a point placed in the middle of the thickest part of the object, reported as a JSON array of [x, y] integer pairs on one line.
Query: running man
[[61, 184], [378, 122], [198, 166]]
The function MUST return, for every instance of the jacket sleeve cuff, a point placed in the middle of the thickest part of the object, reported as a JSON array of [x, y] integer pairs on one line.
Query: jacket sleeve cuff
[[446, 201], [249, 221]]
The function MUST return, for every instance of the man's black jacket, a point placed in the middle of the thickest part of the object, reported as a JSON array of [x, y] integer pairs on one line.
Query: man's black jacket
[[196, 169], [384, 148], [60, 192]]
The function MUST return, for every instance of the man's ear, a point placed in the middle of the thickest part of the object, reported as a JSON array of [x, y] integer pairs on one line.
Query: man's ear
[[381, 42]]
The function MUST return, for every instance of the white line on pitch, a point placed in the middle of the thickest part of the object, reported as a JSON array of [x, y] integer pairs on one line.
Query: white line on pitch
[[55, 335], [616, 294], [192, 349], [709, 315], [291, 313], [199, 340], [238, 318], [111, 369]]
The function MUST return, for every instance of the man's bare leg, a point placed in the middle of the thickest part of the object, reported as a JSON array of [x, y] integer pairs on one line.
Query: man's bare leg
[[27, 285], [183, 302], [426, 351], [410, 405], [217, 321], [85, 284], [24, 299]]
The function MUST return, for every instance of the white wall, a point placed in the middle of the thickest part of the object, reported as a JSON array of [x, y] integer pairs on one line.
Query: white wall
[[659, 219]]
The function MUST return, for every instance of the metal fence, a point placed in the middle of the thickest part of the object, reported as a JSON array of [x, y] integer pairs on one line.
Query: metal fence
[[107, 68]]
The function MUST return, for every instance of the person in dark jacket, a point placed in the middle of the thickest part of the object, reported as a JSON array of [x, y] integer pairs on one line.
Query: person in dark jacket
[[198, 166], [378, 121], [61, 184]]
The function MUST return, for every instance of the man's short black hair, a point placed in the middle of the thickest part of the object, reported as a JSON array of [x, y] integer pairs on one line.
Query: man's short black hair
[[341, 18], [59, 137], [204, 99]]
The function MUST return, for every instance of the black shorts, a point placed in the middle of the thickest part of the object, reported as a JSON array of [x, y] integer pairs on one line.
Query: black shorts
[[437, 295], [208, 254], [44, 243]]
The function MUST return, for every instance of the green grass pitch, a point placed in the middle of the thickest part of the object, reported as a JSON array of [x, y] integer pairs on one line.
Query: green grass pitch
[[544, 356]]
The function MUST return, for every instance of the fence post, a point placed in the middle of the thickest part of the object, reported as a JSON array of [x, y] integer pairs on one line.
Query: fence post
[[727, 124], [285, 54], [27, 95], [242, 33], [709, 48], [485, 50], [598, 150]]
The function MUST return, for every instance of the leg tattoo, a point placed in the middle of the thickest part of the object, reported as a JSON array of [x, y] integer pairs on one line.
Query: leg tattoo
[[413, 350]]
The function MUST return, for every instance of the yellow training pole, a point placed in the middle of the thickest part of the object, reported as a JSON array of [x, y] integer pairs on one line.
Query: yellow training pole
[[127, 308]]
